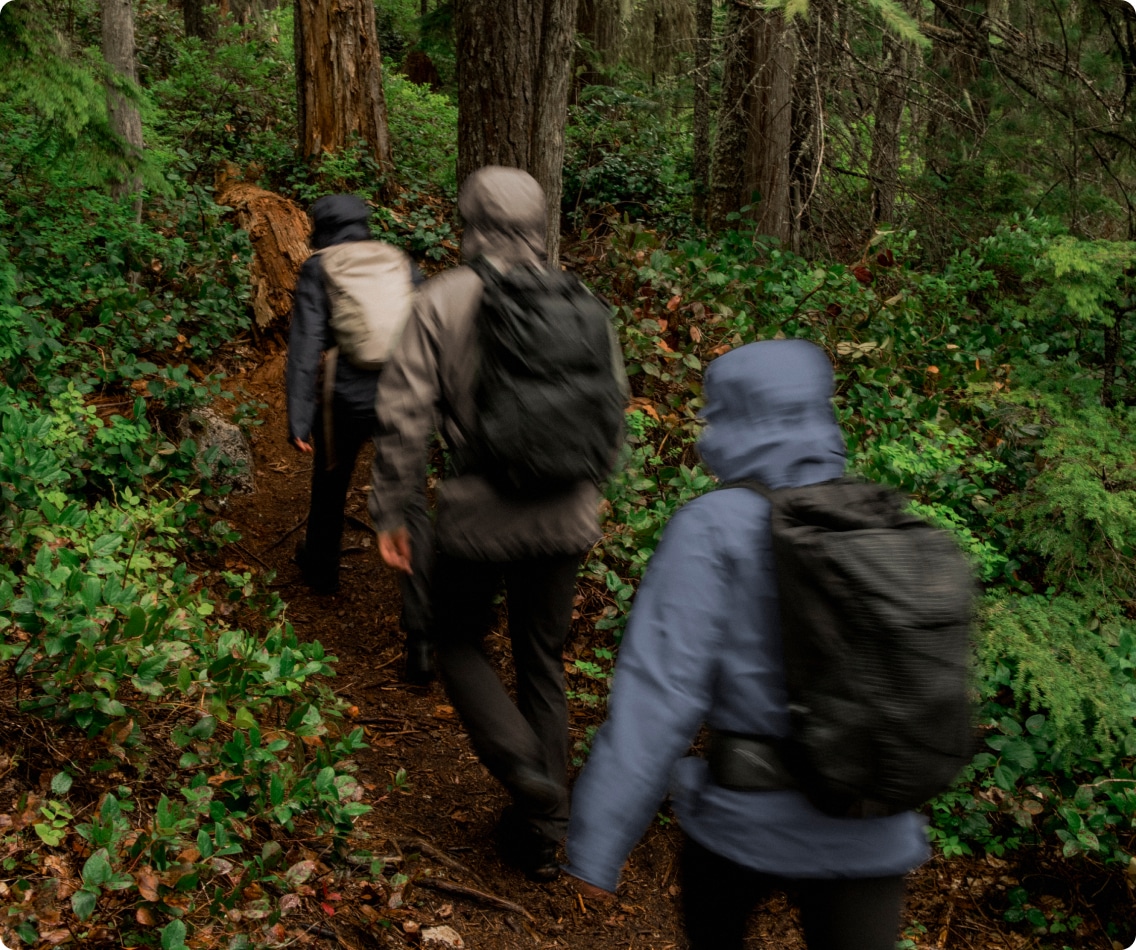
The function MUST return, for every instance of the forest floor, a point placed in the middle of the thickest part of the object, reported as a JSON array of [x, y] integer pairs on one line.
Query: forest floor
[[436, 821]]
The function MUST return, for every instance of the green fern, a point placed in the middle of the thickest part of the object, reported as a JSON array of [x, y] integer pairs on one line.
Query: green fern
[[1079, 512], [897, 20], [1071, 657]]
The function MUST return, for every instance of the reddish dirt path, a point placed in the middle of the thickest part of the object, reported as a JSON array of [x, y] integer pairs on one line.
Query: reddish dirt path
[[440, 821]]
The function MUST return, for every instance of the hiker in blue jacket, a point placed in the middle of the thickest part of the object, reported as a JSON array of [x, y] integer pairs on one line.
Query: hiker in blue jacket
[[703, 648]]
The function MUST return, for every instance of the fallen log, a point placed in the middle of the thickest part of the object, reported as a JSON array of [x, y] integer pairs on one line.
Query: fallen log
[[278, 229]]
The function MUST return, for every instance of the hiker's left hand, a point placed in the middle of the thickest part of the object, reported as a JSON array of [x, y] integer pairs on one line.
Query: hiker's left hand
[[302, 446], [394, 546]]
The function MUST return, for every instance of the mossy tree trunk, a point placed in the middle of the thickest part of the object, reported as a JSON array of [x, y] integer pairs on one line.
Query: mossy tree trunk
[[125, 119]]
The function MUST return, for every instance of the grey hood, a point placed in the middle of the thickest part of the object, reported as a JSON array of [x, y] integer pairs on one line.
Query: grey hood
[[769, 415], [339, 218], [503, 215]]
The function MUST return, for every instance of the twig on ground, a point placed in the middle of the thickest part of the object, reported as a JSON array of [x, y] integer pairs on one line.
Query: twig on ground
[[263, 563], [287, 534], [359, 523], [449, 887], [423, 846]]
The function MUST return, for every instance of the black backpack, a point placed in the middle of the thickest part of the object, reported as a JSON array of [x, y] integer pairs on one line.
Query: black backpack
[[549, 403], [876, 613]]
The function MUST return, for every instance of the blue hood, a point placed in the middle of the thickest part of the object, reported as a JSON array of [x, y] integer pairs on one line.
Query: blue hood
[[769, 415]]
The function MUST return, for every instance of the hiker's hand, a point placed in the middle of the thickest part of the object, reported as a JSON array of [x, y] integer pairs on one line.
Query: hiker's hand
[[301, 445], [590, 891], [394, 546]]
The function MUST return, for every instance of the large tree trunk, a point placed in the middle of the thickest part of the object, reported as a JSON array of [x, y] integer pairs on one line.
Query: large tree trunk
[[704, 24], [198, 22], [514, 61], [598, 21], [125, 120], [771, 128], [727, 184], [339, 81], [755, 122], [883, 167]]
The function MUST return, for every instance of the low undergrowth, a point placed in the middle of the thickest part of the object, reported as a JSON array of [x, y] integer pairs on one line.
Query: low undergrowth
[[993, 391]]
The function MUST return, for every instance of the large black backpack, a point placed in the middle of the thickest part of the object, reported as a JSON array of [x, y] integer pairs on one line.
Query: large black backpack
[[549, 404], [876, 614]]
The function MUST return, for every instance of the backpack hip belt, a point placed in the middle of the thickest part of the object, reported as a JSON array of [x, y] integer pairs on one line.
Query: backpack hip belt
[[753, 764], [747, 763]]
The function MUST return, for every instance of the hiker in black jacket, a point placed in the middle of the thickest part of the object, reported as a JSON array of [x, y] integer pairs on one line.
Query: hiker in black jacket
[[337, 219]]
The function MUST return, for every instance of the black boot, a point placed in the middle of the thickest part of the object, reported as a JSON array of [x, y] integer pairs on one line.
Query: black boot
[[321, 578], [419, 660], [525, 848]]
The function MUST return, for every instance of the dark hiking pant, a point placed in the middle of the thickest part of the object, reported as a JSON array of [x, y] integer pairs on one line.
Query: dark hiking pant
[[533, 732], [351, 429], [719, 895]]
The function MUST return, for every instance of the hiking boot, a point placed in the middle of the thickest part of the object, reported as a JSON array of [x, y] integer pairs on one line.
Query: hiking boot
[[523, 847], [320, 581], [419, 660]]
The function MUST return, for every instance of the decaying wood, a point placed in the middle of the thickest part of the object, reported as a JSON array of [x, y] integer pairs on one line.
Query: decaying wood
[[278, 229]]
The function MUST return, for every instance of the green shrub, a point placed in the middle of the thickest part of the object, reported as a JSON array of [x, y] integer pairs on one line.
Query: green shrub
[[424, 133]]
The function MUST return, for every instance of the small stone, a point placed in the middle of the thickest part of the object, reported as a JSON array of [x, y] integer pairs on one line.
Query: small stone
[[442, 937]]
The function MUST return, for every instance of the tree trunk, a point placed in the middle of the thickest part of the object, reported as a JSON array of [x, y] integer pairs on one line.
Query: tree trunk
[[599, 22], [198, 22], [125, 120], [425, 7], [704, 17], [727, 182], [514, 64], [248, 11], [339, 81], [755, 122], [883, 167]]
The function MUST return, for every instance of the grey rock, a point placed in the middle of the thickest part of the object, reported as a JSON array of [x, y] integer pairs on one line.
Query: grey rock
[[208, 429]]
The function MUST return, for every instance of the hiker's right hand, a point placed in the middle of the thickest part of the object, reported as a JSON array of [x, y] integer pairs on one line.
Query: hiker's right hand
[[301, 445], [394, 546]]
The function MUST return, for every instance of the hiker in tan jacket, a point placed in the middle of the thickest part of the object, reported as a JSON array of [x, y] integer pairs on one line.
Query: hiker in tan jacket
[[486, 537]]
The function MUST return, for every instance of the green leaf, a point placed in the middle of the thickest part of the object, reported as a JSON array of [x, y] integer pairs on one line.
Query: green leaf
[[106, 545], [173, 935], [136, 625], [97, 870], [91, 593], [83, 903], [244, 719], [61, 783], [112, 707]]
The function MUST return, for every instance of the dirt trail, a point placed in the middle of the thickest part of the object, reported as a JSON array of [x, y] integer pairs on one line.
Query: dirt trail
[[437, 823]]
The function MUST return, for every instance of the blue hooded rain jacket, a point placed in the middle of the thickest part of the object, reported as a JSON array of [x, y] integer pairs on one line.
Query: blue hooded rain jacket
[[703, 647]]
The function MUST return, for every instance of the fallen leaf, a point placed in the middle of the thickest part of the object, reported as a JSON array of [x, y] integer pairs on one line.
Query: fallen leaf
[[147, 882]]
